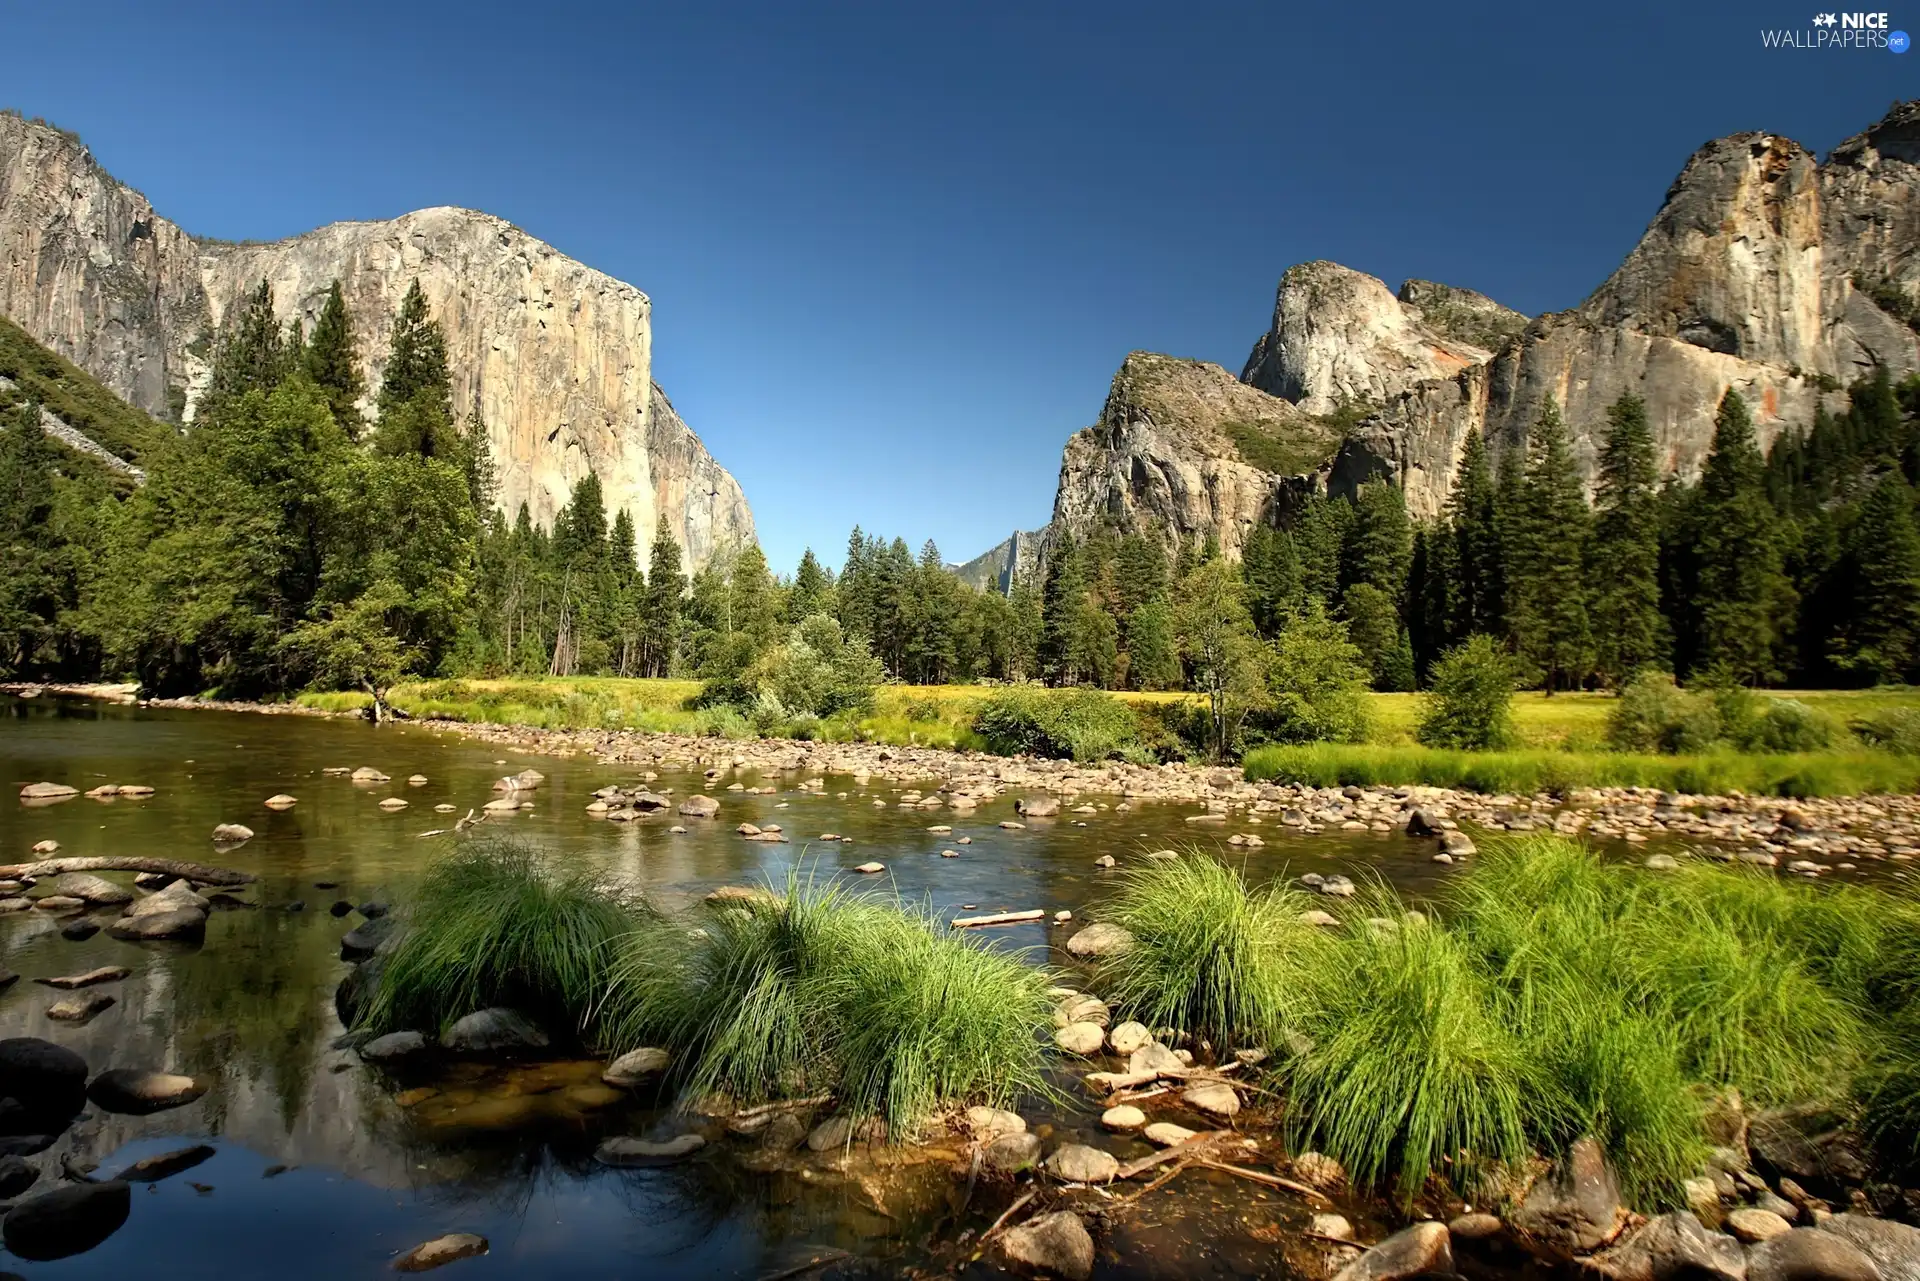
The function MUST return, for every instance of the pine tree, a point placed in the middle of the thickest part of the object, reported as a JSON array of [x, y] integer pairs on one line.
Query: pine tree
[[1060, 612], [1379, 546], [1747, 604], [812, 587], [252, 356], [333, 366], [30, 553], [1880, 635], [1471, 508], [1548, 566], [416, 394], [1435, 591], [1153, 658], [1319, 533], [483, 483], [661, 603], [1272, 570], [1624, 561]]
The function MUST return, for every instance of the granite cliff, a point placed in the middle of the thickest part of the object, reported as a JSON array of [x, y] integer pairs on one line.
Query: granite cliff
[[556, 356], [1766, 270]]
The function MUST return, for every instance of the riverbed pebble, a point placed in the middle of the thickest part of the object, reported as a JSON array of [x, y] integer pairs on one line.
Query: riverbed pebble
[[636, 1066], [1127, 1037], [134, 1092], [1079, 1163], [1080, 1038], [1124, 1118], [1048, 1245]]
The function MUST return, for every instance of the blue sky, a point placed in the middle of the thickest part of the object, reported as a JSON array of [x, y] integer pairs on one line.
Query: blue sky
[[895, 250]]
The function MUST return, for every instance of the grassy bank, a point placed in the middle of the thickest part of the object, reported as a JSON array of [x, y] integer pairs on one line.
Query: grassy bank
[[1838, 773], [1546, 996]]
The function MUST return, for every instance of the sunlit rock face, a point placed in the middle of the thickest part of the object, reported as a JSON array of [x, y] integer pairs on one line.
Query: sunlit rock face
[[556, 356]]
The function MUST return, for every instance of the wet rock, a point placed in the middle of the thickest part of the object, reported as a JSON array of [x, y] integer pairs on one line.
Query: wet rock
[[183, 924], [1100, 941], [393, 804], [991, 1123], [1893, 1247], [1318, 1170], [1078, 1163], [47, 792], [1703, 1198], [785, 1131], [1037, 806], [869, 868], [102, 974], [1081, 1038], [636, 1066], [231, 833], [1214, 1099], [1011, 1153], [1082, 1009], [834, 1132], [1154, 1057], [373, 909], [132, 1092], [44, 1079], [1128, 1037], [366, 939], [1811, 1254], [441, 1251], [368, 774], [97, 890], [16, 1176], [1421, 1249], [394, 1047], [164, 1166], [79, 931], [699, 807], [280, 801], [177, 896], [495, 1031], [1049, 1245], [1751, 1224], [1338, 887], [1669, 1248], [647, 802], [747, 896], [1125, 1118], [1423, 822], [1478, 1226], [1661, 862], [1809, 1143], [59, 903], [46, 847], [7, 979], [80, 1008], [350, 998], [1166, 1134], [629, 1152], [1457, 844], [1575, 1207], [67, 1220]]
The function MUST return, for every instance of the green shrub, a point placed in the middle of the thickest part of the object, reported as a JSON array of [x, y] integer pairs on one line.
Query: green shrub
[[1210, 956], [494, 925], [1894, 729], [1080, 724], [1317, 682], [1471, 703], [1014, 722], [1655, 715], [722, 721], [816, 671], [1789, 725]]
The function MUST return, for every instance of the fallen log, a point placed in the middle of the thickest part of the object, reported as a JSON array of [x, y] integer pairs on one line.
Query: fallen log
[[997, 918], [200, 872], [1187, 1148]]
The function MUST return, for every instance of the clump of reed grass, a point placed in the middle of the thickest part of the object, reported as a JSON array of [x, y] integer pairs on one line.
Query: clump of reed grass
[[494, 924], [1210, 956], [819, 991]]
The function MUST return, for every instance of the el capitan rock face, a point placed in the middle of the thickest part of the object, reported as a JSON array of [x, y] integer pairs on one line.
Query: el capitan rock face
[[556, 356]]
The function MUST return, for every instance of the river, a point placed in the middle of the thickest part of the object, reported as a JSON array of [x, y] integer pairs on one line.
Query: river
[[320, 1171]]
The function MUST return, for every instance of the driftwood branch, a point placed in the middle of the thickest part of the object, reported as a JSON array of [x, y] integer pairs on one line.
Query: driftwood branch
[[200, 872], [1271, 1180], [1187, 1148], [1008, 1213], [998, 918]]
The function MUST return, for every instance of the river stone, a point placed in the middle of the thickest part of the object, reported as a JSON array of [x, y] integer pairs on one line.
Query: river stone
[[131, 1092], [393, 1047], [280, 801], [1154, 1057], [1081, 1038], [79, 931], [1317, 1170], [1670, 1247], [647, 802], [440, 1251], [1423, 822], [45, 1079], [1166, 1134], [648, 1151], [834, 1132], [92, 889], [393, 803], [1012, 1153], [79, 1008], [869, 868], [1421, 1249], [1457, 844], [16, 1176], [1078, 1163], [1893, 1247], [153, 1169], [15, 904], [1331, 1225], [1474, 1226], [1125, 1118], [699, 807], [1037, 806], [991, 1123], [1809, 1142], [1128, 1037], [367, 774], [1661, 862], [1750, 1224], [495, 1031], [635, 1066], [101, 974], [1100, 941], [1575, 1207], [47, 792], [60, 903], [231, 833], [1082, 1009], [180, 923], [1812, 1254], [362, 941], [66, 1220], [1049, 1245], [175, 897], [1214, 1099]]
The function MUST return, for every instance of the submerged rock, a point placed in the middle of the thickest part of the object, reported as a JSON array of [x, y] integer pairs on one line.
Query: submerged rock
[[79, 1008], [1421, 1249], [441, 1251], [1049, 1245], [101, 974], [47, 1081], [164, 1166], [494, 1031], [16, 1176], [67, 1220], [136, 1093], [361, 942], [648, 1151]]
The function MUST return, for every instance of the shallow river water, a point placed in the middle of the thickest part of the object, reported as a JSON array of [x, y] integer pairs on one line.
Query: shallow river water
[[319, 1170]]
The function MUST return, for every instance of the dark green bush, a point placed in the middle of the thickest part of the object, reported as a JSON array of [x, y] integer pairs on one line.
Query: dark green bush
[[1471, 704]]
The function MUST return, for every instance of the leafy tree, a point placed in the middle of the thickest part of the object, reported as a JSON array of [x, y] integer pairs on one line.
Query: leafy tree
[[1217, 639], [1747, 604], [1471, 704], [333, 366], [1624, 558], [816, 671], [1317, 681], [357, 645]]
